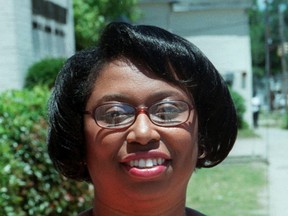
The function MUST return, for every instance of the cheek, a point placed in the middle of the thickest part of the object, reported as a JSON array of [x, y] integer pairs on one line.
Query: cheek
[[185, 145], [101, 145], [189, 154], [90, 132], [97, 157]]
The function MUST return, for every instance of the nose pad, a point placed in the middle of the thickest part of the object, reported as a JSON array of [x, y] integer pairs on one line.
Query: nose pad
[[143, 131]]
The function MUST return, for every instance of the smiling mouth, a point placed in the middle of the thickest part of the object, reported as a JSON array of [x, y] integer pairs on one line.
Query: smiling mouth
[[146, 163], [147, 168]]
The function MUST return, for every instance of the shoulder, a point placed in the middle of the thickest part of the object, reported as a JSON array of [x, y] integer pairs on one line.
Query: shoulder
[[86, 213], [192, 212]]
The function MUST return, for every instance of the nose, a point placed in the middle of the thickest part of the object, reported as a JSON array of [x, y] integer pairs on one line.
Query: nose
[[143, 131]]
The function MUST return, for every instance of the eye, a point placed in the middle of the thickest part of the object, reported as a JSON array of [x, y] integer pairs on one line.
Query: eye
[[114, 114], [167, 111]]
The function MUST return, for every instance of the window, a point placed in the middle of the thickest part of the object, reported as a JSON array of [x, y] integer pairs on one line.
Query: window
[[48, 28], [243, 80], [49, 10]]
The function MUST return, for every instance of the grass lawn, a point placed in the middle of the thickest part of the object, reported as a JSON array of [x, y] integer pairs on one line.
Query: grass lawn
[[275, 118], [247, 133], [230, 189]]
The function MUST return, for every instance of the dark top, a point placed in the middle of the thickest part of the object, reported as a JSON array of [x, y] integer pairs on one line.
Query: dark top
[[189, 212]]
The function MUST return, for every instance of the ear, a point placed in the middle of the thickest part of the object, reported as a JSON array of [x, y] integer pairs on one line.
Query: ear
[[201, 152]]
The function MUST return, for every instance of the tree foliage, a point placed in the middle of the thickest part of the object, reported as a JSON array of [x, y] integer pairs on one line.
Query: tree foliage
[[257, 34], [90, 16], [274, 33]]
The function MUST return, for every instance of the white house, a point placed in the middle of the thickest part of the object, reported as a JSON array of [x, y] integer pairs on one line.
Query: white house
[[219, 28], [32, 30]]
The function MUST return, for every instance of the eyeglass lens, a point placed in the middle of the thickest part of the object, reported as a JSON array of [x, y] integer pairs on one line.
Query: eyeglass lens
[[120, 115]]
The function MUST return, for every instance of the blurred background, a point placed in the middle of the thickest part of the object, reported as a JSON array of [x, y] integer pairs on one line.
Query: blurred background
[[247, 42]]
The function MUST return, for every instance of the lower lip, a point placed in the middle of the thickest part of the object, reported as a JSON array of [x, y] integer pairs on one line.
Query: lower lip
[[146, 173]]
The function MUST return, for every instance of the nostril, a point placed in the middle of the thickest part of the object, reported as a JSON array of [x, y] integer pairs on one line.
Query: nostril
[[152, 144], [153, 141]]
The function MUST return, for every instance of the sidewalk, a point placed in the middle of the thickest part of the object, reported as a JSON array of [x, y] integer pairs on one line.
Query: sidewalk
[[271, 146], [252, 147]]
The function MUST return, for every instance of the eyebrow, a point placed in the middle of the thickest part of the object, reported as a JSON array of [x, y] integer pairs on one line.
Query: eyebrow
[[123, 97], [114, 97], [164, 94]]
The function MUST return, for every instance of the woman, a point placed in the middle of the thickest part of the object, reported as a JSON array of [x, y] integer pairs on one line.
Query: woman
[[135, 116]]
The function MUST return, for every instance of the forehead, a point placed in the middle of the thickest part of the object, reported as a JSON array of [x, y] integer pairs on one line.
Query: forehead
[[123, 80]]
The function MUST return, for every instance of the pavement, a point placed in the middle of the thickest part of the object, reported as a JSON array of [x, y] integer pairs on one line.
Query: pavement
[[270, 147]]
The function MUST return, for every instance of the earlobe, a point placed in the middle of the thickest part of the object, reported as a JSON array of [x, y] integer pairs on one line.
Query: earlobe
[[83, 163], [201, 152]]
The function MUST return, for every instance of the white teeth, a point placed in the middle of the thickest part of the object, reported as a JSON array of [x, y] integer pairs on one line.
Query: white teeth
[[142, 163], [160, 160], [149, 163], [146, 163]]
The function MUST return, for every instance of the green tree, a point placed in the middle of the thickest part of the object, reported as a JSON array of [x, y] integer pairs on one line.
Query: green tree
[[257, 34], [90, 16], [274, 34]]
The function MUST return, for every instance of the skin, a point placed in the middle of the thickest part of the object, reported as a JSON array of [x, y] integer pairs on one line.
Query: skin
[[117, 191]]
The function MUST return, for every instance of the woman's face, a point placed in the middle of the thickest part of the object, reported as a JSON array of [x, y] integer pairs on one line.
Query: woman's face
[[173, 150]]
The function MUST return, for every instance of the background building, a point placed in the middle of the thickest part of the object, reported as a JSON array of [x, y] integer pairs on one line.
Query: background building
[[220, 28], [35, 29], [32, 30]]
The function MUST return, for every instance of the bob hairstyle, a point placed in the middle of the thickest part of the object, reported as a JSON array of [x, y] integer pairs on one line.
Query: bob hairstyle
[[169, 57]]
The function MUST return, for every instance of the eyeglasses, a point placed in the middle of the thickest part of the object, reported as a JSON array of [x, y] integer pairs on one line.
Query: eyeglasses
[[117, 115]]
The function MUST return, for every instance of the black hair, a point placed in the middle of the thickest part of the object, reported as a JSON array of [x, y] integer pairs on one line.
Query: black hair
[[168, 56]]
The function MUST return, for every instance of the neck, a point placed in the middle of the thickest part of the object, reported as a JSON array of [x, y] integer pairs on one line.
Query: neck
[[140, 208]]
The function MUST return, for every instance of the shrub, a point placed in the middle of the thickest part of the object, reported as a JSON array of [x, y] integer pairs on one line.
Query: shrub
[[29, 183], [239, 103], [44, 72], [286, 121]]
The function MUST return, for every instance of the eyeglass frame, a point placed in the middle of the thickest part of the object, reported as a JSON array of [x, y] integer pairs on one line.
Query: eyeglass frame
[[139, 110]]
